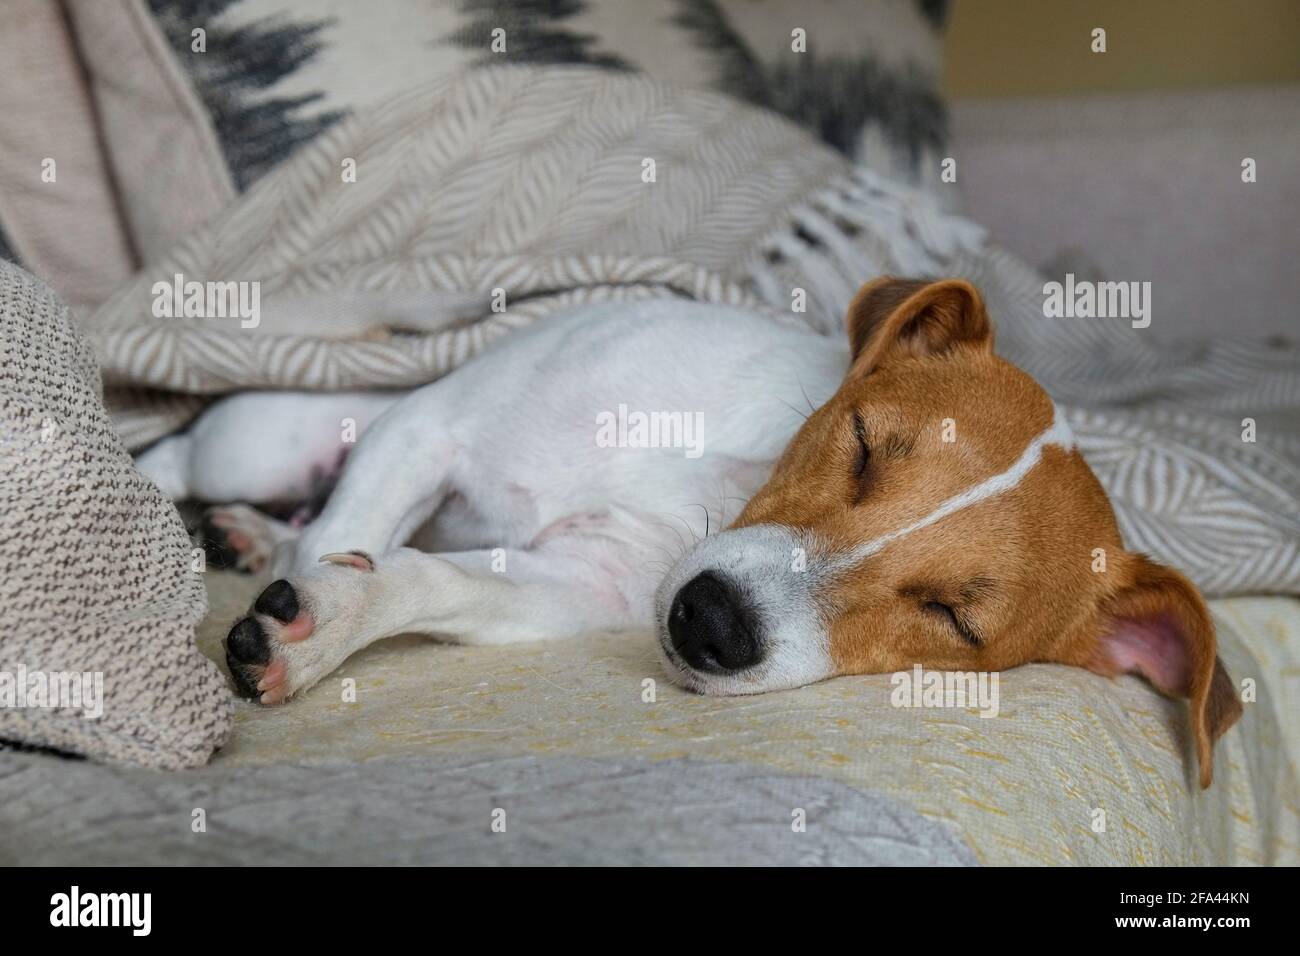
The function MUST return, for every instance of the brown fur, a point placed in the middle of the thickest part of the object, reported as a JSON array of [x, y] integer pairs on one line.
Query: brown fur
[[1019, 566]]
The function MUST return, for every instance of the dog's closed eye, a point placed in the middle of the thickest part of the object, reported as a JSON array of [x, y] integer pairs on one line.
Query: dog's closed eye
[[888, 444], [864, 450], [964, 627]]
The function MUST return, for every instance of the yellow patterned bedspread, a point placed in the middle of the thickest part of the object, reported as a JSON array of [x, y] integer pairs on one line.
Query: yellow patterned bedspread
[[1074, 769]]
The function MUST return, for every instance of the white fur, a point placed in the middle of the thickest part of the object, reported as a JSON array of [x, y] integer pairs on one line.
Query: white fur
[[526, 527], [523, 526], [261, 447], [776, 572]]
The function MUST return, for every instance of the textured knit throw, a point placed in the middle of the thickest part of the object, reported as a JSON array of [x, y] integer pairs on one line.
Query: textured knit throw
[[99, 590]]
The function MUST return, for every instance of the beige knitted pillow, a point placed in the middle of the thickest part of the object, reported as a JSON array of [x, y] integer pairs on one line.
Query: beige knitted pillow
[[99, 595]]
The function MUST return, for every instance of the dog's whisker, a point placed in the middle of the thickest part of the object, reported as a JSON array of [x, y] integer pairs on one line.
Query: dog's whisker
[[680, 539], [706, 520], [673, 529], [689, 527], [793, 409], [811, 407]]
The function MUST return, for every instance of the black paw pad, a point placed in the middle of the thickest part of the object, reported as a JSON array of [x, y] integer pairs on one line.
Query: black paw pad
[[278, 601], [247, 644]]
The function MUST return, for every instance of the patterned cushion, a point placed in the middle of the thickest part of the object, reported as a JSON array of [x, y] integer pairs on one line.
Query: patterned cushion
[[274, 74]]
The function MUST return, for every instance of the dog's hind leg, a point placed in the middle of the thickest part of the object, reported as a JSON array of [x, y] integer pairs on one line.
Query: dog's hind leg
[[244, 539], [301, 628], [167, 465], [263, 447], [393, 482]]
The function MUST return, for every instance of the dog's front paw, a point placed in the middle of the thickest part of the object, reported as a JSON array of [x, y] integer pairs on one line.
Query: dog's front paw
[[299, 630], [259, 648]]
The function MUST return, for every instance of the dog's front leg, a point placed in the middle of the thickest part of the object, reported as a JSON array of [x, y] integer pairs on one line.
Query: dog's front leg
[[303, 627]]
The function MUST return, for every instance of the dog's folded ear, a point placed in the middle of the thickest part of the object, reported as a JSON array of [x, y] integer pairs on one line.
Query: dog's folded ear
[[1158, 626], [914, 317]]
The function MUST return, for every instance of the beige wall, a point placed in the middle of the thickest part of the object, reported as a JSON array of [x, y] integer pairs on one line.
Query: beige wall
[[1043, 47]]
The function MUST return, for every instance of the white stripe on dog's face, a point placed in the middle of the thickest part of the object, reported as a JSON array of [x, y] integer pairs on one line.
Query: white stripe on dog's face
[[1058, 434], [782, 577]]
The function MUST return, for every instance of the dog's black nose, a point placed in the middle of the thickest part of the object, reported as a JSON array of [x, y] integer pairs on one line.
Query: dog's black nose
[[708, 627]]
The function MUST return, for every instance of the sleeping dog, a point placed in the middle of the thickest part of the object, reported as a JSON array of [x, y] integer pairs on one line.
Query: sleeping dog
[[929, 507]]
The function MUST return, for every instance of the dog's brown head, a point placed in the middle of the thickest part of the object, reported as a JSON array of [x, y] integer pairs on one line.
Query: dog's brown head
[[934, 512]]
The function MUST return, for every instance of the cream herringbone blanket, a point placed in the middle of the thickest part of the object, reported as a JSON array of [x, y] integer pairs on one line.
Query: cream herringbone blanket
[[567, 185]]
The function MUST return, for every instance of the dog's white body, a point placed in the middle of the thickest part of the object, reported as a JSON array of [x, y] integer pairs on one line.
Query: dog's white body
[[522, 524], [492, 507]]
